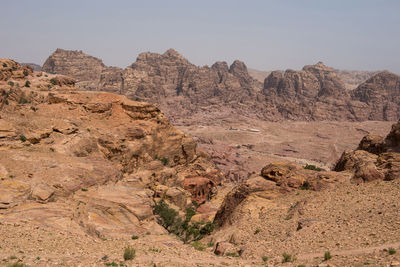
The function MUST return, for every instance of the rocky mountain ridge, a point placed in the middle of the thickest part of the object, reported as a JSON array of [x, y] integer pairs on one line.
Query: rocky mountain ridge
[[188, 93]]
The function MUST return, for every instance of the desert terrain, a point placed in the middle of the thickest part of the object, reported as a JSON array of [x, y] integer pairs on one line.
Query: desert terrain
[[89, 173]]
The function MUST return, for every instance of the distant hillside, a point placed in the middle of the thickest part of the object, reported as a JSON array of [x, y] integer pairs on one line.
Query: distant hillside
[[34, 66], [186, 92]]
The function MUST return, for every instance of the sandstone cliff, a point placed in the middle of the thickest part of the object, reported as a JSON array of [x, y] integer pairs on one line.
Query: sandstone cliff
[[90, 162], [188, 93]]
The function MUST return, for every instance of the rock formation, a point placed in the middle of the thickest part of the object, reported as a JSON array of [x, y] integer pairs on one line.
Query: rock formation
[[381, 95], [376, 158], [90, 162], [186, 92]]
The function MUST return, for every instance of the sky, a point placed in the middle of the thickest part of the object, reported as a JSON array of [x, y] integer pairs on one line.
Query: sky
[[265, 34]]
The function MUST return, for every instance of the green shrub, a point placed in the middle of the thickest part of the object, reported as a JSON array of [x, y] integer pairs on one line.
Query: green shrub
[[210, 244], [391, 251], [168, 215], [312, 167], [4, 65], [26, 73], [53, 81], [264, 258], [22, 138], [184, 228], [129, 253], [286, 258], [257, 231], [27, 84], [327, 256], [11, 84], [305, 185], [232, 254], [134, 237], [111, 264], [84, 189]]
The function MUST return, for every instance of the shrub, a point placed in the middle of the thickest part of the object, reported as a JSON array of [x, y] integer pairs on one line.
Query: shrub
[[327, 256], [27, 84], [11, 84], [129, 253], [391, 251], [22, 138], [312, 167], [84, 189], [264, 258], [4, 65], [232, 254], [53, 81], [305, 185], [187, 230], [134, 237], [167, 214], [257, 231], [286, 257], [210, 244], [26, 73], [22, 100], [111, 264]]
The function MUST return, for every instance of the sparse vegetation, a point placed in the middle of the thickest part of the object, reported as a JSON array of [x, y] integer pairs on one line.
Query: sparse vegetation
[[26, 73], [4, 65], [391, 251], [10, 83], [53, 81], [312, 167], [129, 253], [84, 189], [27, 84], [264, 259], [134, 237], [22, 100], [257, 231], [198, 245], [232, 254], [22, 138], [210, 244], [187, 230], [111, 264], [327, 256], [287, 258], [305, 185]]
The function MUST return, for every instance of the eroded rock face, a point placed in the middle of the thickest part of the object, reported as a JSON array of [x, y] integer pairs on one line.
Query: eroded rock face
[[376, 158], [187, 92], [382, 95], [89, 160]]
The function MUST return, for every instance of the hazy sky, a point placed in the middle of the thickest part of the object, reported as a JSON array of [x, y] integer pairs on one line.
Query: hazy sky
[[267, 35]]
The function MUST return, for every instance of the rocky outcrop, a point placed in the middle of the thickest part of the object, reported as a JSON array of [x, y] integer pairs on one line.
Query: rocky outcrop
[[89, 72], [376, 158], [314, 93], [381, 94], [89, 162]]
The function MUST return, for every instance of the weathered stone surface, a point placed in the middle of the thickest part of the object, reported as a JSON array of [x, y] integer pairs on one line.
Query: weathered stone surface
[[84, 161], [186, 92], [375, 158], [381, 93]]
